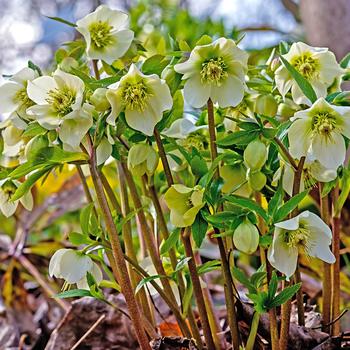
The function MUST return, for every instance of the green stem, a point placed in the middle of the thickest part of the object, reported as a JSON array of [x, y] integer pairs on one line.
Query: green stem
[[122, 271], [253, 331], [229, 292]]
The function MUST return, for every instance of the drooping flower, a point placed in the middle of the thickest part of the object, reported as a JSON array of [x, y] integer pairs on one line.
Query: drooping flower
[[106, 34], [60, 105], [246, 237], [142, 159], [235, 181], [73, 266], [181, 128], [214, 71], [14, 98], [14, 143], [255, 155], [142, 97], [316, 64], [7, 190], [317, 133], [305, 233], [184, 204]]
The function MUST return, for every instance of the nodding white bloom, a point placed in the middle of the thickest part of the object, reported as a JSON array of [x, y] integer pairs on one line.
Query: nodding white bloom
[[181, 128], [106, 34], [14, 98], [60, 106], [316, 64], [313, 172], [7, 190], [184, 204], [305, 233], [215, 71], [317, 133], [143, 98], [142, 159], [14, 143], [235, 180], [73, 266]]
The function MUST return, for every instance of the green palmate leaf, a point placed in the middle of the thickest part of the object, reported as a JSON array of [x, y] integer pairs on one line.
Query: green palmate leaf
[[275, 201], [34, 129], [283, 47], [204, 40], [209, 266], [146, 280], [248, 204], [345, 190], [273, 286], [186, 300], [77, 238], [25, 186], [257, 279], [221, 219], [240, 276], [289, 206], [182, 264], [242, 137], [74, 293], [155, 64], [85, 215], [170, 242], [199, 229], [61, 20], [304, 85], [198, 166], [249, 126], [286, 294], [344, 63]]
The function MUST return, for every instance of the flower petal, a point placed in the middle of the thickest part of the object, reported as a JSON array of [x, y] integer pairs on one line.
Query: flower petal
[[299, 136], [38, 89], [229, 94], [196, 94], [8, 93]]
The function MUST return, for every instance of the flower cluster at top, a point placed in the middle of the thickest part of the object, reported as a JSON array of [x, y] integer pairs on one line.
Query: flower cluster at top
[[135, 93]]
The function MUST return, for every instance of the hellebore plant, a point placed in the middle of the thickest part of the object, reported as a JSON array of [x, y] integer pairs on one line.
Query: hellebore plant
[[234, 167]]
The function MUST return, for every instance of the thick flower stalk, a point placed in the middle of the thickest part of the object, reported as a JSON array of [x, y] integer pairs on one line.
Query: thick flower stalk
[[306, 234], [317, 133], [60, 106], [214, 71], [106, 34], [316, 64], [143, 98]]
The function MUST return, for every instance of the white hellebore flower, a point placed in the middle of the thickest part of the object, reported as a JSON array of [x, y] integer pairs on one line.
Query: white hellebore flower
[[106, 34], [143, 98], [317, 133], [181, 128], [214, 71], [72, 266], [14, 98], [316, 64], [7, 190], [305, 233], [60, 106]]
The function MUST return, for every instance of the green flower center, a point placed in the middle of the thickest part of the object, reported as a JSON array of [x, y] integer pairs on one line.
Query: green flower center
[[324, 123], [135, 96], [22, 98], [196, 141], [9, 189], [306, 65], [299, 238], [61, 100], [100, 34], [214, 71]]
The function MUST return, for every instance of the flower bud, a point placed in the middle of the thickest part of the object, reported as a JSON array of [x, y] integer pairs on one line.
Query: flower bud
[[255, 155], [35, 144], [256, 180], [275, 64], [266, 105], [142, 159], [99, 99], [68, 63], [246, 237]]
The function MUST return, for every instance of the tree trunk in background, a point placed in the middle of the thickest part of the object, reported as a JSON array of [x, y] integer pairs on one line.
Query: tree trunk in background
[[327, 23]]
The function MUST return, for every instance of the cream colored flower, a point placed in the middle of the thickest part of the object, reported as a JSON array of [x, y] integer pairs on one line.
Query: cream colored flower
[[316, 64], [246, 237], [215, 71], [181, 128], [106, 34], [317, 133], [14, 99], [7, 190], [184, 204], [73, 266], [60, 106], [305, 233], [142, 159], [143, 98], [235, 181]]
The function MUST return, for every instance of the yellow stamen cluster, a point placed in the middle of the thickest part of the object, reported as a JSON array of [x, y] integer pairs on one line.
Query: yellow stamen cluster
[[22, 97], [135, 96], [214, 71], [196, 141], [324, 123], [307, 66], [100, 34], [61, 100], [299, 239]]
